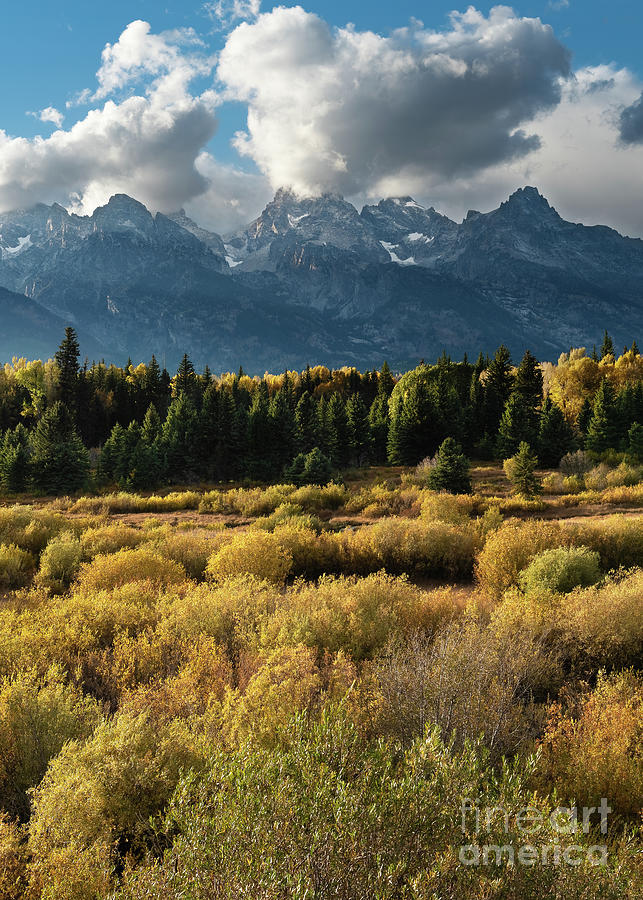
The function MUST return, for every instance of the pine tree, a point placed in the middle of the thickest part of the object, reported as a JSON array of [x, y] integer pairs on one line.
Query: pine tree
[[59, 461], [516, 426], [282, 429], [450, 471], [309, 468], [521, 472], [306, 422], [634, 348], [584, 418], [259, 462], [412, 431], [359, 431], [607, 347], [635, 442], [151, 428], [555, 435], [338, 435], [498, 382], [378, 421], [179, 439], [385, 382], [14, 460], [185, 381], [602, 432], [67, 357]]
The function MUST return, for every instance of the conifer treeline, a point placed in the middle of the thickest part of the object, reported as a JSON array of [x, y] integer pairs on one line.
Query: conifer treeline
[[152, 428]]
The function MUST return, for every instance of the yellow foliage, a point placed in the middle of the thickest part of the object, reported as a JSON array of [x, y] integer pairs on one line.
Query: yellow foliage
[[595, 751], [257, 553], [113, 570], [288, 681]]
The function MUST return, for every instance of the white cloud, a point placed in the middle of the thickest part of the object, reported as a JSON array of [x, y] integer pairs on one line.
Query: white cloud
[[138, 53], [49, 114], [228, 11], [145, 145], [345, 110], [581, 167]]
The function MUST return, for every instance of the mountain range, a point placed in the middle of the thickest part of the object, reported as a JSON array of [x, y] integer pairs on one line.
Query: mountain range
[[314, 280]]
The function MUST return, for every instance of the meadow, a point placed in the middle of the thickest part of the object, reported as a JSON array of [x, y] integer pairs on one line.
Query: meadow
[[295, 691]]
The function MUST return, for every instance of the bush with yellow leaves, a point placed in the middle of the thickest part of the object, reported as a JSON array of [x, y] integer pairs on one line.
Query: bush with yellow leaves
[[510, 549], [356, 615], [107, 571], [16, 566], [594, 749], [60, 561], [257, 553], [38, 715], [96, 800]]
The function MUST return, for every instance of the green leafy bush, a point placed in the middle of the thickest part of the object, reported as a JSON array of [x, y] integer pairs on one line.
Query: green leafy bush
[[561, 570]]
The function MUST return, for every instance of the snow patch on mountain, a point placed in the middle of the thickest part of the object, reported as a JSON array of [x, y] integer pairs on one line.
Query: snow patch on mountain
[[23, 244]]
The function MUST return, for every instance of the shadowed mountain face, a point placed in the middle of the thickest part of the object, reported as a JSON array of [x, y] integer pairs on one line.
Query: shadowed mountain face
[[314, 280]]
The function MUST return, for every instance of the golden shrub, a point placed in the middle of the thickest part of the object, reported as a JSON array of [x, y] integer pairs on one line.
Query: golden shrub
[[257, 553], [110, 538], [60, 561], [595, 749], [113, 570], [16, 566], [286, 682], [511, 548]]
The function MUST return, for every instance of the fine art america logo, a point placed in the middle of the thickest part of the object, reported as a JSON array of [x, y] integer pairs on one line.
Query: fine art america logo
[[533, 837]]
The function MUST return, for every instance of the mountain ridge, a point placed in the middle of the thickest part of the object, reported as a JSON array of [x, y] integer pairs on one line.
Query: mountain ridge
[[314, 279]]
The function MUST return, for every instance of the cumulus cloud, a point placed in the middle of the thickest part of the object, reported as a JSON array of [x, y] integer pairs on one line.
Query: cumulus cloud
[[581, 167], [338, 109], [139, 53], [631, 123], [225, 12], [49, 114]]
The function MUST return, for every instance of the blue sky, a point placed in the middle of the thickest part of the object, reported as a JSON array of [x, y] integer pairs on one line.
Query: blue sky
[[49, 53]]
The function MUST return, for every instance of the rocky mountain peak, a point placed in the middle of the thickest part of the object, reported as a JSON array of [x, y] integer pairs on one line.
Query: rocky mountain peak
[[122, 212]]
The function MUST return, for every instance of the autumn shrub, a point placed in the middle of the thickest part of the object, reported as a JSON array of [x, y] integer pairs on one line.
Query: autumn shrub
[[38, 715], [312, 553], [289, 514], [196, 689], [356, 615], [256, 553], [315, 498], [124, 502], [594, 748], [97, 798], [60, 561], [413, 546], [624, 475], [29, 528], [112, 570], [467, 679], [511, 548], [561, 569], [287, 681], [110, 538], [14, 859], [444, 507], [16, 566], [617, 539], [191, 549], [232, 613], [577, 463], [596, 478]]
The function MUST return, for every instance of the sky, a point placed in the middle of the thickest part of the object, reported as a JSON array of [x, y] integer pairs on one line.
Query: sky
[[212, 106]]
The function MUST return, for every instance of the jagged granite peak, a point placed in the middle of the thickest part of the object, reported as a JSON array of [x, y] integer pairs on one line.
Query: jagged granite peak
[[289, 222], [209, 238], [122, 212]]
